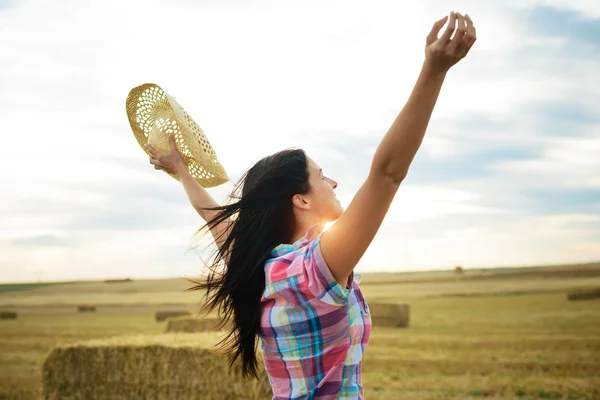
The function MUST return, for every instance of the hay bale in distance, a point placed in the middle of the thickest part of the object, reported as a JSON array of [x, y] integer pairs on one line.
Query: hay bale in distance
[[588, 294], [86, 308], [8, 315], [128, 280], [391, 315], [160, 316], [158, 367], [190, 325]]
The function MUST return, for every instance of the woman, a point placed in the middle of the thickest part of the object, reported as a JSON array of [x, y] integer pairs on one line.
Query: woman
[[286, 281]]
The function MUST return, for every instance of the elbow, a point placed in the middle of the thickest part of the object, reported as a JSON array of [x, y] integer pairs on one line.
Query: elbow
[[397, 177], [387, 180], [201, 212], [390, 174], [396, 180], [394, 170]]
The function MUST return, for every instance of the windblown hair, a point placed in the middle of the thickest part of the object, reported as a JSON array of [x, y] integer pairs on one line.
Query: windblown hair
[[261, 218]]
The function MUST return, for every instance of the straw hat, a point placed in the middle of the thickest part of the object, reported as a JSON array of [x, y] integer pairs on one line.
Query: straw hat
[[154, 114]]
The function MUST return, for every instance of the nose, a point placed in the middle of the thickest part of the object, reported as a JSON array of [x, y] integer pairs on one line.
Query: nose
[[333, 183]]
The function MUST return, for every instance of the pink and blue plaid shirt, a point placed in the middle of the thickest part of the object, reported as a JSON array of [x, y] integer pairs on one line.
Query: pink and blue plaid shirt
[[313, 330]]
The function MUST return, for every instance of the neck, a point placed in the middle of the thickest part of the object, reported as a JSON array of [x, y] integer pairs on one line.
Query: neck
[[302, 227]]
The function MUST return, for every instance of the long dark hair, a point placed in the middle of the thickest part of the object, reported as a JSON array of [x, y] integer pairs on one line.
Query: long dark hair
[[262, 218]]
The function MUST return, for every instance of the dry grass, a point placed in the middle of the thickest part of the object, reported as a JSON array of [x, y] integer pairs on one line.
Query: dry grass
[[168, 292], [389, 287], [533, 346], [515, 343], [25, 343], [182, 366]]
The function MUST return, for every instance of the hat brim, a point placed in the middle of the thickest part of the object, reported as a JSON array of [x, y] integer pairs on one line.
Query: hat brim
[[153, 115]]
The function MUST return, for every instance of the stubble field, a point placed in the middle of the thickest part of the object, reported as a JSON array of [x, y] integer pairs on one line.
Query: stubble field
[[497, 334]]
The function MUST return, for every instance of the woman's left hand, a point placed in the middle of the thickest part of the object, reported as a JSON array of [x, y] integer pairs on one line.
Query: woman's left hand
[[172, 162], [443, 52]]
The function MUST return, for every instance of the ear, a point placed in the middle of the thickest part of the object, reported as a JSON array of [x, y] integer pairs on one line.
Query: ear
[[301, 202]]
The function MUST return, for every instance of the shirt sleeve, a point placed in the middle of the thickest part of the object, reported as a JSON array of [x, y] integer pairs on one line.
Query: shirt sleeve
[[318, 278]]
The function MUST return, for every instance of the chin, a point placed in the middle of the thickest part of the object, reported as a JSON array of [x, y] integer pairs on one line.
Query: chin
[[338, 212], [334, 212]]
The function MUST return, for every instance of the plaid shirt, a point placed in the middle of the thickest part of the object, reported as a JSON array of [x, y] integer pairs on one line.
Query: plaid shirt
[[313, 330]]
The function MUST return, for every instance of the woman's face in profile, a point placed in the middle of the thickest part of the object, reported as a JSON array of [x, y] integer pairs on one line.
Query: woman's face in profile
[[324, 201]]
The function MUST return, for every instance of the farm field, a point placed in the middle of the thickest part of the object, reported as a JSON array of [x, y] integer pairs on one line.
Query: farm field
[[496, 334]]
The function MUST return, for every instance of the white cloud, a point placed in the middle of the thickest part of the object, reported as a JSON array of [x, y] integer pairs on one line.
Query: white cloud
[[419, 202], [565, 162]]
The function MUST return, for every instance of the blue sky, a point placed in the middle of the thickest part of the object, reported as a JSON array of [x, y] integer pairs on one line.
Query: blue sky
[[508, 174]]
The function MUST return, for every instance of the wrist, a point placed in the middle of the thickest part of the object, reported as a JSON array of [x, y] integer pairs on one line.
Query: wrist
[[429, 70], [183, 173]]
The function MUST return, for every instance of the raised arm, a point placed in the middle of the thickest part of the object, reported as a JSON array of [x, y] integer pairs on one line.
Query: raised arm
[[198, 196], [344, 244], [200, 200]]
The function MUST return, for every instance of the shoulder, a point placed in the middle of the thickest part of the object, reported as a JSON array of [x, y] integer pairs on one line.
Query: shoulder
[[304, 270], [284, 266]]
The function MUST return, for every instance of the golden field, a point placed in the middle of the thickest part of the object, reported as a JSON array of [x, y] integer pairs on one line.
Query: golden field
[[489, 334]]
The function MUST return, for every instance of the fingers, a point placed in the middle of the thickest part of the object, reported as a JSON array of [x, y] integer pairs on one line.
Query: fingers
[[151, 150], [445, 38], [157, 164], [172, 141], [437, 25], [154, 161], [461, 30], [470, 27], [173, 144], [471, 35]]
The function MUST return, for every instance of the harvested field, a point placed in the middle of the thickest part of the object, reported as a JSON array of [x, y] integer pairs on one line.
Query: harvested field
[[494, 338]]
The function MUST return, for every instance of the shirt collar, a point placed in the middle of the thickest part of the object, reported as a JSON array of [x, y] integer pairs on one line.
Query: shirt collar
[[284, 249]]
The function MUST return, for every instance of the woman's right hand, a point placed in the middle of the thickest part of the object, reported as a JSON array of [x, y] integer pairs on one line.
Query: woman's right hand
[[442, 53], [172, 162]]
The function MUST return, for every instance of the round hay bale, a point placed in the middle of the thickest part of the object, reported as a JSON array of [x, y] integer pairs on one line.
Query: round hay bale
[[189, 324], [8, 315], [159, 367], [164, 315], [391, 315], [587, 294], [86, 308]]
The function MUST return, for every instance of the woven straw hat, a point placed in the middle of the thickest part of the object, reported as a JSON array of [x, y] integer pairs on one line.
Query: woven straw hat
[[154, 115]]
